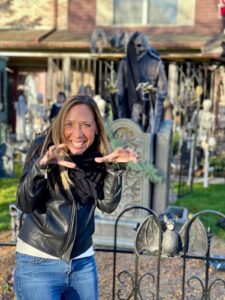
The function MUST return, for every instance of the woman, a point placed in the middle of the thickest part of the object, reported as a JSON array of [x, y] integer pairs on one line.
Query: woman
[[68, 172]]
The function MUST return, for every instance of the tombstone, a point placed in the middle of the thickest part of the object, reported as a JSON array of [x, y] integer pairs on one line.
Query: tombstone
[[136, 189], [15, 215], [218, 262], [181, 213], [5, 133], [6, 160], [21, 111]]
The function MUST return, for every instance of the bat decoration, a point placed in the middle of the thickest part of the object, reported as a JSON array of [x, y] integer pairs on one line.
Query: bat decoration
[[149, 235]]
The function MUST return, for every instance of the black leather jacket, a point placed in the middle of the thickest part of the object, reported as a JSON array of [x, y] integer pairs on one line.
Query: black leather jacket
[[51, 220]]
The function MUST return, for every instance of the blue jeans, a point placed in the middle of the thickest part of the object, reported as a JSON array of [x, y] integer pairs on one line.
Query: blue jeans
[[38, 278]]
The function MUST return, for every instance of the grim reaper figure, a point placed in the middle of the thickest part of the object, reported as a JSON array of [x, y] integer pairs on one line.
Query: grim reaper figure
[[141, 84]]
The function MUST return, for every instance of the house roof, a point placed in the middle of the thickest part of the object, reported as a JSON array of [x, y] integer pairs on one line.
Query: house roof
[[169, 45], [213, 43], [42, 39]]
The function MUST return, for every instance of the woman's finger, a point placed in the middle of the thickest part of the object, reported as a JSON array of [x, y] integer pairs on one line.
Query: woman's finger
[[99, 159], [67, 164], [119, 155], [51, 149], [59, 148], [102, 159]]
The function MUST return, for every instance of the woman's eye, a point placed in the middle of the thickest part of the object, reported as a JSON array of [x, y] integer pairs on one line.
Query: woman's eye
[[85, 125], [68, 125]]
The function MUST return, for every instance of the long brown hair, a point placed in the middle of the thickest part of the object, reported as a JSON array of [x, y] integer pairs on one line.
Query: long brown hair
[[55, 133]]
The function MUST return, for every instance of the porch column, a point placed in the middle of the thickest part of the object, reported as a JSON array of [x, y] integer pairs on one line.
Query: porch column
[[173, 83], [50, 79], [67, 75]]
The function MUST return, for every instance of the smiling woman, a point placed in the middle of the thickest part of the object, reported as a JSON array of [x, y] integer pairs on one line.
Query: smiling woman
[[80, 129], [68, 172]]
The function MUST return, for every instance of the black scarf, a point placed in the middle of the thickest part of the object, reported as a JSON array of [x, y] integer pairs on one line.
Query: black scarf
[[87, 177]]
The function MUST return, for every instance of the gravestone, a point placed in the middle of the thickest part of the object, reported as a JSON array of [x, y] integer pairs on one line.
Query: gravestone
[[181, 214], [136, 189], [6, 160]]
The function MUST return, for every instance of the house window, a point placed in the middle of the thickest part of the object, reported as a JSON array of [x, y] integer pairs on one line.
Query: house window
[[145, 12], [166, 9], [128, 12]]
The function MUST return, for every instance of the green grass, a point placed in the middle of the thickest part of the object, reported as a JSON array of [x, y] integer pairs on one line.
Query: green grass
[[211, 198], [8, 188]]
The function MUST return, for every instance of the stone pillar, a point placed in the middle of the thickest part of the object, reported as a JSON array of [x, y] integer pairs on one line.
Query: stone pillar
[[162, 163]]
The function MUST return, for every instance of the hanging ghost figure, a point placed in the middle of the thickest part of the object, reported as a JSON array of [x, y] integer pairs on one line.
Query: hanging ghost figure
[[141, 84]]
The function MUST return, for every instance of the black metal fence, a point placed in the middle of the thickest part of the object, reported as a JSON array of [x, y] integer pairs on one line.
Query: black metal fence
[[141, 280], [192, 285]]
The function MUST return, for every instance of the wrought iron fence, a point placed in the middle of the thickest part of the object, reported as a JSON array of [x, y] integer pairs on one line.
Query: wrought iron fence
[[204, 287], [136, 281]]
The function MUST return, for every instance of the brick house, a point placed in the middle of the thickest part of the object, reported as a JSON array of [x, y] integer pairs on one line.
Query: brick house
[[45, 47]]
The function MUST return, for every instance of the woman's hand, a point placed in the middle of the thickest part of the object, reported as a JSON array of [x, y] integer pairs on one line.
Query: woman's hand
[[119, 155], [52, 156]]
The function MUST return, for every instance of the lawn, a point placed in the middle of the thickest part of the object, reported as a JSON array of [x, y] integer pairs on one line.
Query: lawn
[[211, 198], [8, 188]]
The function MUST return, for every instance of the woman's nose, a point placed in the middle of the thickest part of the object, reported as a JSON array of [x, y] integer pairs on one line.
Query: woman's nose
[[77, 131]]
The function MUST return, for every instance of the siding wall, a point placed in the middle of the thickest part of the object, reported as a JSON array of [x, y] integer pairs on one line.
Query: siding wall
[[85, 15], [33, 15]]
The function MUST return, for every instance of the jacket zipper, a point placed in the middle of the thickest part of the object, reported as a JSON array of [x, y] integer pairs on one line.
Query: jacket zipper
[[72, 220]]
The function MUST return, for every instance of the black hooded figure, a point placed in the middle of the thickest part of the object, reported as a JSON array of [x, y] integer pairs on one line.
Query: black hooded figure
[[141, 67]]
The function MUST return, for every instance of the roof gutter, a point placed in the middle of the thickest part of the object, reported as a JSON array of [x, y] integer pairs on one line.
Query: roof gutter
[[55, 16]]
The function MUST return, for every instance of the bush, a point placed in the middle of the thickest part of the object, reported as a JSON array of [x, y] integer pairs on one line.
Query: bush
[[217, 162]]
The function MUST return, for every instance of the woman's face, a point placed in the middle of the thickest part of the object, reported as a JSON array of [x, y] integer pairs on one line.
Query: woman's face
[[80, 128]]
